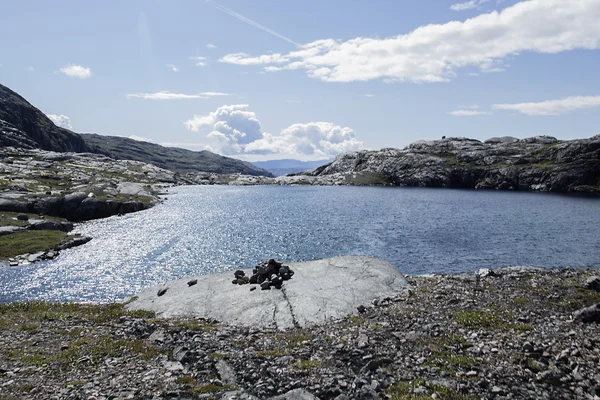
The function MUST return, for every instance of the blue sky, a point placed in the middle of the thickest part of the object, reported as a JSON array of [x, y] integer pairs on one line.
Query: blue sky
[[271, 79]]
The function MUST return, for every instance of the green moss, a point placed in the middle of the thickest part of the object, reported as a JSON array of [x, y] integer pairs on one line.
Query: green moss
[[29, 242], [270, 353], [217, 356]]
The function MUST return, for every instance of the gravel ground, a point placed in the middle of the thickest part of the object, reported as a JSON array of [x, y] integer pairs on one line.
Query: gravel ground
[[503, 334]]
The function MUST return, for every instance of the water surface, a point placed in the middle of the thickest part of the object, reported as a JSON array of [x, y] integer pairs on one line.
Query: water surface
[[205, 229]]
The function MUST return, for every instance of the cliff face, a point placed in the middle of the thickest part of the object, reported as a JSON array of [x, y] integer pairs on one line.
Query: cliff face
[[539, 163], [23, 125]]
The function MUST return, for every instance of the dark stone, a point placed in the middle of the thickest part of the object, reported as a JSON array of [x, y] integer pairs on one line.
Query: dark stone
[[361, 309], [192, 282], [265, 285], [588, 314], [252, 288], [239, 273], [22, 217], [162, 291]]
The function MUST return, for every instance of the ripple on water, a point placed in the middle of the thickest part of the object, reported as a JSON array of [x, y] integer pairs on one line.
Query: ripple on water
[[207, 229]]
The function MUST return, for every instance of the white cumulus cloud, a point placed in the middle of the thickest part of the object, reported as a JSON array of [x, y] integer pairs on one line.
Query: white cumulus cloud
[[468, 113], [467, 5], [60, 120], [77, 71], [436, 52], [166, 95], [211, 46], [200, 61], [234, 129], [141, 139], [552, 107], [173, 67]]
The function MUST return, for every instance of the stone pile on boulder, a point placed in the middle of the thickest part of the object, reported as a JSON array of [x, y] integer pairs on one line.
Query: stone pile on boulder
[[269, 273]]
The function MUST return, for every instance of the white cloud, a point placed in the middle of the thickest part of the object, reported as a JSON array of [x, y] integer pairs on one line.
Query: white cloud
[[173, 67], [141, 139], [468, 113], [552, 107], [435, 53], [165, 95], [369, 95], [467, 5], [30, 68], [60, 120], [76, 71], [200, 61], [234, 129], [211, 46]]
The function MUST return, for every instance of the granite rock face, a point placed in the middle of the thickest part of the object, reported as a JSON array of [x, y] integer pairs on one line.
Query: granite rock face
[[539, 163], [321, 290]]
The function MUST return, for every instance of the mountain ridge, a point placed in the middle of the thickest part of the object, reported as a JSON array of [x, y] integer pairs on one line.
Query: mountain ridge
[[22, 125]]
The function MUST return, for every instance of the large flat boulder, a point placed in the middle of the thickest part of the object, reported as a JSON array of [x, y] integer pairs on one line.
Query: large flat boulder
[[319, 291]]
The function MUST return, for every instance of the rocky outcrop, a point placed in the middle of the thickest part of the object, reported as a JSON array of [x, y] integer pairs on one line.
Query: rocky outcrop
[[320, 291], [540, 163], [23, 125]]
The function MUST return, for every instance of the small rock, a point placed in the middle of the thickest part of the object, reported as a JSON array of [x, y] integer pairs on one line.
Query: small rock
[[192, 282], [593, 283], [162, 291]]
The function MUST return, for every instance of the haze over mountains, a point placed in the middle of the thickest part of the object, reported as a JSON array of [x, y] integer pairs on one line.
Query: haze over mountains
[[23, 125], [289, 166]]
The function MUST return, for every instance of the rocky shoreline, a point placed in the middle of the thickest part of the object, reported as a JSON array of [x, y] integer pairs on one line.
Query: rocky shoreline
[[503, 334]]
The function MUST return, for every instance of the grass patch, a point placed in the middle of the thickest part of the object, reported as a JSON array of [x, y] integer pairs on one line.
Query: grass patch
[[270, 353], [293, 340], [200, 325], [307, 365], [217, 356], [92, 350], [29, 242], [521, 301], [24, 315], [492, 319], [580, 298]]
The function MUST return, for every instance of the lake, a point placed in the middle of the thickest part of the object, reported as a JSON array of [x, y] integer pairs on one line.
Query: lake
[[205, 229]]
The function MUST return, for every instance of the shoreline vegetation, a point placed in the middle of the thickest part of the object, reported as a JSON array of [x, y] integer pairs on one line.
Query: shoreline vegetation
[[493, 334]]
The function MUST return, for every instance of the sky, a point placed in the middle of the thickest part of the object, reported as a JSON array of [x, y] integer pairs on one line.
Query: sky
[[310, 79]]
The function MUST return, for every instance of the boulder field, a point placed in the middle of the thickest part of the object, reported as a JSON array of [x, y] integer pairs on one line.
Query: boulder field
[[319, 291]]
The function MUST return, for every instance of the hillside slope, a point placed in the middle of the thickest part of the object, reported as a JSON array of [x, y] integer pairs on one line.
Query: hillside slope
[[23, 125], [171, 158]]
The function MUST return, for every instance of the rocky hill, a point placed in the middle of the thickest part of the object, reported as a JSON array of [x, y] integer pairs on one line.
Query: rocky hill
[[171, 158], [24, 126], [540, 163]]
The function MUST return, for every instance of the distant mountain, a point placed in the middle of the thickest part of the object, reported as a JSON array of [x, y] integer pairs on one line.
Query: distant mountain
[[24, 126], [287, 166], [171, 158]]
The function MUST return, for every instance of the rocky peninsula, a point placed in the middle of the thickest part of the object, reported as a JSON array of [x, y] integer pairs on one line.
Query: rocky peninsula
[[511, 333], [540, 163]]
